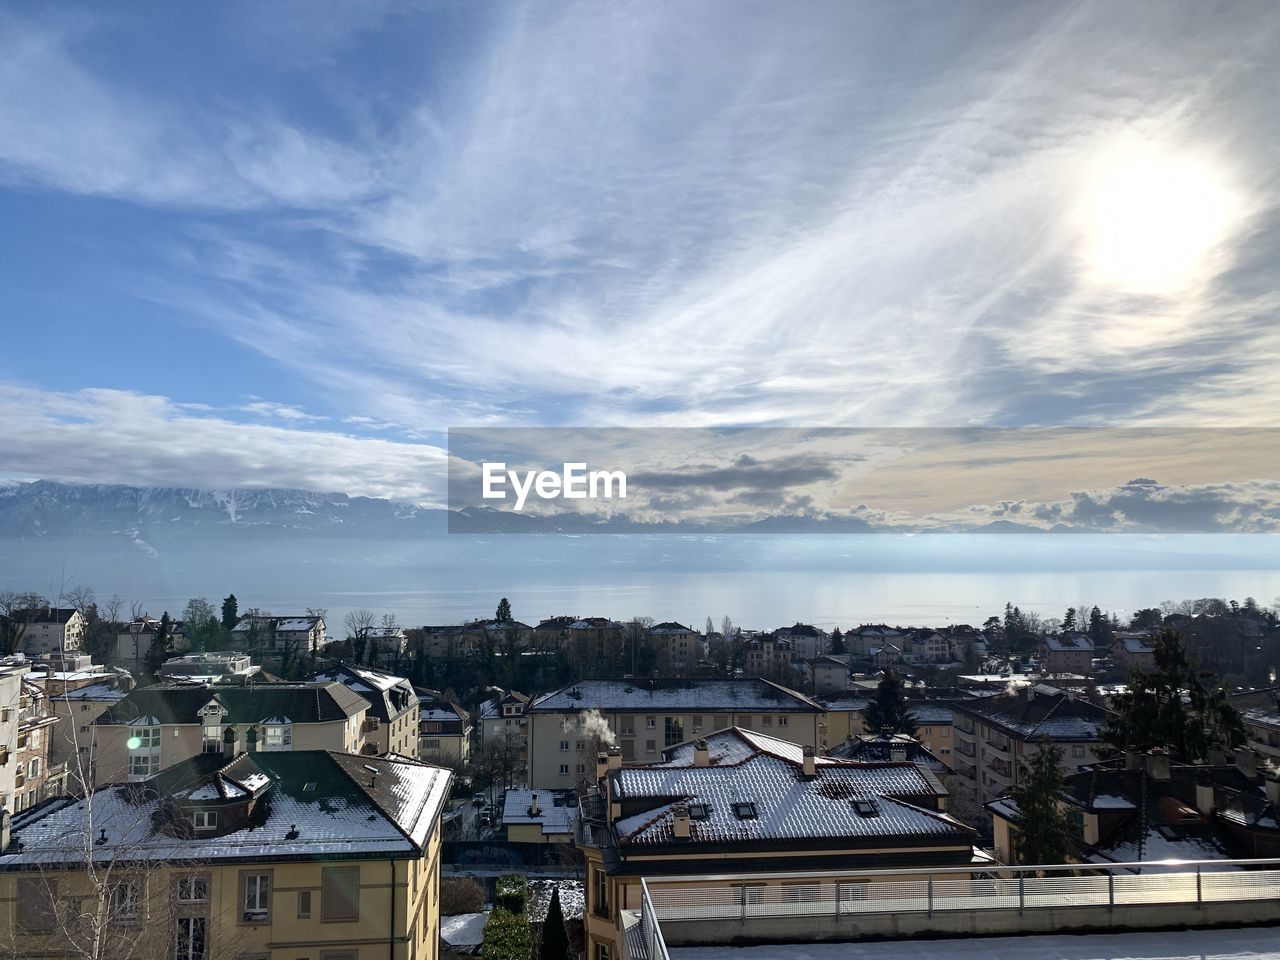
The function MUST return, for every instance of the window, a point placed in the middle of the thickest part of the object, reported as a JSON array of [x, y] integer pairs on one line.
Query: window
[[673, 730], [144, 765], [784, 721], [744, 810], [564, 769], [651, 746], [279, 737], [213, 739], [602, 952], [866, 807], [37, 896], [582, 768], [126, 900], [304, 904], [580, 746], [601, 891], [193, 889], [256, 897], [564, 746], [1077, 752], [650, 722], [191, 939], [205, 819], [699, 811], [431, 744], [766, 721], [628, 725], [33, 768], [339, 893]]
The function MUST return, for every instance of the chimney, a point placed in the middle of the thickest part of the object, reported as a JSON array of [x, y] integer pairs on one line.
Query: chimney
[[1246, 762], [1132, 760], [1204, 793], [533, 806], [701, 754], [1272, 781], [615, 758], [230, 743], [809, 764], [1158, 765], [6, 822], [602, 765], [680, 823]]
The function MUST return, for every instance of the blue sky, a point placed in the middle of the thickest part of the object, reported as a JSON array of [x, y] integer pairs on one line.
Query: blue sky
[[291, 243]]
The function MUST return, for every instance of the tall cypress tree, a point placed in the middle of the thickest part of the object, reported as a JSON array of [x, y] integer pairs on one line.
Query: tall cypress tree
[[1042, 827], [555, 938], [890, 709], [230, 612], [161, 641]]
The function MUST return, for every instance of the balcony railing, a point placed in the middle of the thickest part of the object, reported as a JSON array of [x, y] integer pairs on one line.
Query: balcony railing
[[655, 948], [1197, 885]]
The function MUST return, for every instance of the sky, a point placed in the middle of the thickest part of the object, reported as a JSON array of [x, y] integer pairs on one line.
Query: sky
[[291, 244]]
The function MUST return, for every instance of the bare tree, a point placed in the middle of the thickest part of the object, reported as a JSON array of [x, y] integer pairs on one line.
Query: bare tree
[[358, 623], [79, 599], [17, 609]]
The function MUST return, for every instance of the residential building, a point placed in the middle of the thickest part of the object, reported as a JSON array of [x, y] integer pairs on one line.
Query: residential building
[[134, 639], [308, 856], [72, 738], [444, 730], [994, 735], [886, 747], [766, 655], [1144, 808], [679, 648], [887, 655], [547, 816], [806, 640], [49, 631], [568, 726], [1068, 652], [35, 778], [594, 643], [1133, 650], [935, 725], [868, 637], [925, 646], [12, 672], [157, 727], [289, 636], [737, 803], [842, 717], [391, 723], [502, 714], [827, 674], [209, 667]]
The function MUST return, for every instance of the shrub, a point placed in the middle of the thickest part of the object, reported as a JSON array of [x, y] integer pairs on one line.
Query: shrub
[[506, 937], [511, 892], [555, 939], [460, 895]]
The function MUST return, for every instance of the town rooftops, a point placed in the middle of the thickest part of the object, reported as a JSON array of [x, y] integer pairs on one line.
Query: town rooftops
[[181, 703], [492, 709], [307, 805], [879, 747], [556, 812], [703, 696], [1048, 712], [44, 615], [669, 627], [1069, 641], [388, 696], [754, 790]]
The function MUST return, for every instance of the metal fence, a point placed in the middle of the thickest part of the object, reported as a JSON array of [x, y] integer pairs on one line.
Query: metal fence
[[655, 948], [1012, 889]]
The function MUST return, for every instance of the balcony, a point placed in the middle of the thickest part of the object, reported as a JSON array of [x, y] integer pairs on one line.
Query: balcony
[[971, 901]]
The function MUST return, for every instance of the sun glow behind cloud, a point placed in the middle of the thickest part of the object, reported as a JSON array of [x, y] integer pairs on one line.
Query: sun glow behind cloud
[[1155, 219]]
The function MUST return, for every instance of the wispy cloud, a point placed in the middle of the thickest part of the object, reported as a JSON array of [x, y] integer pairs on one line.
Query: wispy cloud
[[696, 214]]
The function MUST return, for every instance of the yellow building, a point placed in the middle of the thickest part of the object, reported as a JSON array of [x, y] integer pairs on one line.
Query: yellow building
[[285, 856], [546, 816], [156, 727], [738, 804]]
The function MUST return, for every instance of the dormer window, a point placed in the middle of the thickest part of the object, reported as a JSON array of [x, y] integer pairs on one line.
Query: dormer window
[[866, 808], [205, 819], [743, 811], [699, 811], [277, 734]]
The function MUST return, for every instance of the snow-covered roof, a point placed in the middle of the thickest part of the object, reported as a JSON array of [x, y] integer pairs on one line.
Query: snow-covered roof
[[766, 773], [703, 696], [318, 803], [557, 812], [94, 691], [1056, 715]]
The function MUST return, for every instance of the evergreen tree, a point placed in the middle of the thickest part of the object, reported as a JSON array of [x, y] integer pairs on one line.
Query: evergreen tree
[[837, 641], [1175, 707], [555, 939], [890, 710], [161, 641], [1099, 628], [1042, 826], [230, 612], [503, 614], [1069, 619]]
